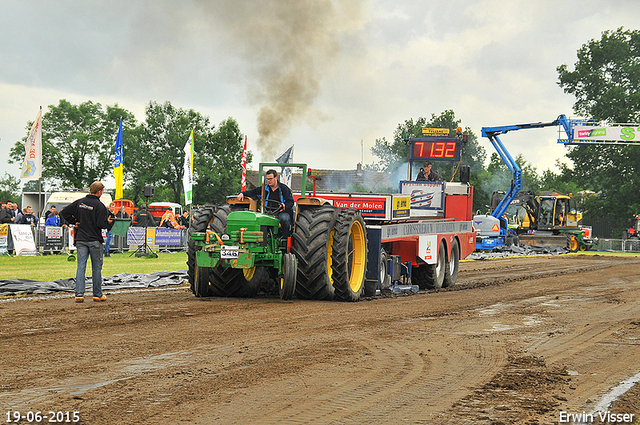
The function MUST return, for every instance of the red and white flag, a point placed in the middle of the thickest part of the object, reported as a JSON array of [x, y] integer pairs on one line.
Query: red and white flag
[[244, 165]]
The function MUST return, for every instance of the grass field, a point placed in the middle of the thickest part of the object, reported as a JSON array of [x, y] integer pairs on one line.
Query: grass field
[[48, 268]]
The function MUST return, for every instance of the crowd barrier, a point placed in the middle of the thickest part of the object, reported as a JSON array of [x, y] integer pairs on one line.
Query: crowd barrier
[[24, 239], [619, 245]]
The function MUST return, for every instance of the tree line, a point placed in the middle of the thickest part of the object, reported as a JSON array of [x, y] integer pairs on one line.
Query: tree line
[[78, 149]]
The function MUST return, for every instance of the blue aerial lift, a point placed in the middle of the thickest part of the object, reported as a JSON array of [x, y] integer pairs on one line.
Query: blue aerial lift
[[491, 229]]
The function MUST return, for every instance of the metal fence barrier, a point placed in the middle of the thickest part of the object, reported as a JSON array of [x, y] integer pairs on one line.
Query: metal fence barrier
[[619, 245], [56, 240]]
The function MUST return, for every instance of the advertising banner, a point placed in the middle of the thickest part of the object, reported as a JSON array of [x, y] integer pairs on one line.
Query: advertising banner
[[135, 236], [4, 232], [165, 236], [424, 195], [605, 133], [369, 205], [155, 236], [23, 242]]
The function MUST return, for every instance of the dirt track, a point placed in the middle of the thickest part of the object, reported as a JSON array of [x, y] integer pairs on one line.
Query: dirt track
[[517, 341]]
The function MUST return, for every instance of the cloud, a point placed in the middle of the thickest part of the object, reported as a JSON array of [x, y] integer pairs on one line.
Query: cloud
[[325, 75]]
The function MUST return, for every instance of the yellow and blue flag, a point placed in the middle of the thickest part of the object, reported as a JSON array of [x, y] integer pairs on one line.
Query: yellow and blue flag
[[117, 164]]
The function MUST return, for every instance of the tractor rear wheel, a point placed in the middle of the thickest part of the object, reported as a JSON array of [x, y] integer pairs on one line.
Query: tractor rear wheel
[[288, 278], [312, 245], [201, 218], [349, 255]]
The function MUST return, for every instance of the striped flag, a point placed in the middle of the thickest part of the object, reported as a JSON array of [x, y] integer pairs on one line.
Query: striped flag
[[117, 164], [244, 165], [32, 165], [187, 178]]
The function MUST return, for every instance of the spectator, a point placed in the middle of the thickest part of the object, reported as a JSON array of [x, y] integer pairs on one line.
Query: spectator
[[48, 213], [53, 219], [122, 213], [17, 214], [184, 219], [90, 216], [6, 215], [143, 218], [29, 217], [169, 220]]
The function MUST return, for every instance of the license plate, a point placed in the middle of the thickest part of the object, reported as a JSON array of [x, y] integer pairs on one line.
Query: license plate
[[229, 252]]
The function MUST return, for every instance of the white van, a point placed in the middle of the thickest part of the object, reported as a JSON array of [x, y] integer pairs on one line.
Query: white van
[[62, 199]]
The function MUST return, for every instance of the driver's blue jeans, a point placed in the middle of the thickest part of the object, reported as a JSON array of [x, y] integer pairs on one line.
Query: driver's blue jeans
[[285, 224]]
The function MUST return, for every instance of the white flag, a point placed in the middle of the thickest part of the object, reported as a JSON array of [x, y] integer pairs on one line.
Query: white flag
[[187, 178], [32, 165]]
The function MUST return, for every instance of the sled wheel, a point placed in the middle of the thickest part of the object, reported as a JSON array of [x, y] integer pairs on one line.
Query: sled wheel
[[452, 266]]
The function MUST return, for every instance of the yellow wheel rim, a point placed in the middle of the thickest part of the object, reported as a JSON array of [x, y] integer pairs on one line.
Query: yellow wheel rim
[[329, 260], [573, 243], [358, 256], [248, 273]]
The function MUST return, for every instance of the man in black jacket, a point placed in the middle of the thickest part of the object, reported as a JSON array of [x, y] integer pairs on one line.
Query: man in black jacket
[[277, 194], [90, 216], [6, 213], [143, 218]]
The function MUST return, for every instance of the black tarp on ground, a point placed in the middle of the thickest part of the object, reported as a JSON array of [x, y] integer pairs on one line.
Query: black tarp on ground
[[118, 281], [521, 250]]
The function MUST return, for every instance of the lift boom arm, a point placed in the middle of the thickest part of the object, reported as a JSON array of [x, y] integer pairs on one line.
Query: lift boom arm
[[516, 184]]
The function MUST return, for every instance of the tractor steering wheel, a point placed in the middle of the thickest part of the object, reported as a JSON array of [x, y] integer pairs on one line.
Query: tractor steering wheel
[[273, 207]]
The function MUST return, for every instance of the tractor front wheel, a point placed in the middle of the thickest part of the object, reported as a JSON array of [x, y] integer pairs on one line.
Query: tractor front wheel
[[202, 216], [288, 278]]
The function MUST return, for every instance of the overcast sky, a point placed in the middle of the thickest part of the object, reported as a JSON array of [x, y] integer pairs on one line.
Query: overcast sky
[[326, 76]]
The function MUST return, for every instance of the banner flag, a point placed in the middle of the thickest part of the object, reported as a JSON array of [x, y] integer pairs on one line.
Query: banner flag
[[285, 172], [187, 178], [32, 165], [244, 165], [118, 171]]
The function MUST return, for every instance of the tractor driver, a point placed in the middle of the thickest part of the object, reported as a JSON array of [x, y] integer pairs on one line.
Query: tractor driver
[[278, 192]]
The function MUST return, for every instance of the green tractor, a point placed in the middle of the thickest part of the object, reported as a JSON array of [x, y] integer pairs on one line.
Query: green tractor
[[234, 249]]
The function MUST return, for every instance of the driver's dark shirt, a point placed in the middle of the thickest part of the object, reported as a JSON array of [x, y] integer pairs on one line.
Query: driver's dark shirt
[[281, 194]]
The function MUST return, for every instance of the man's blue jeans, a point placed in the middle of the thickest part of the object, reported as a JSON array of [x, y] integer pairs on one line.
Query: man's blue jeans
[[107, 244], [86, 249]]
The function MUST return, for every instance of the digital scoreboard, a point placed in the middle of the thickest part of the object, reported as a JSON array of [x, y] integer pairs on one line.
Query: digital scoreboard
[[428, 149]]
